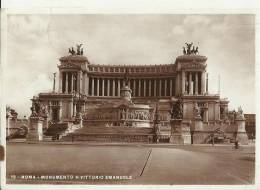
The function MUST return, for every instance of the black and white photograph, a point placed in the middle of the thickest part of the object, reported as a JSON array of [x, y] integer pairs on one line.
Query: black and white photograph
[[130, 99]]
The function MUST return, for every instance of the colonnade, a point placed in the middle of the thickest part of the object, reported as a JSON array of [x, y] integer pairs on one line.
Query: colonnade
[[144, 87], [69, 82], [193, 82]]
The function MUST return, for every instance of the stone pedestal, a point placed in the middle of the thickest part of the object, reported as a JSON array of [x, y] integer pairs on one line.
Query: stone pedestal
[[180, 134], [198, 135], [45, 123], [241, 131], [79, 119], [35, 131]]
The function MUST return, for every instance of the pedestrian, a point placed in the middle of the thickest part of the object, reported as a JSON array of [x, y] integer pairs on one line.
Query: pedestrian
[[212, 139], [236, 144]]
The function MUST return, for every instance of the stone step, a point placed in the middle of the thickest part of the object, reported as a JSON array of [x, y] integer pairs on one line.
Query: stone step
[[114, 130], [109, 138]]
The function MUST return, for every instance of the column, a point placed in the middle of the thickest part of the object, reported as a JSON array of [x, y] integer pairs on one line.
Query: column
[[114, 87], [206, 116], [144, 87], [118, 87], [134, 88], [83, 83], [139, 87], [103, 86], [123, 83], [183, 82], [80, 82], [150, 87], [74, 110], [92, 87], [165, 87], [202, 82], [196, 83], [154, 90], [97, 86], [72, 82], [66, 83], [87, 85], [192, 85], [60, 111], [160, 87], [171, 87], [60, 82], [108, 87], [190, 78]]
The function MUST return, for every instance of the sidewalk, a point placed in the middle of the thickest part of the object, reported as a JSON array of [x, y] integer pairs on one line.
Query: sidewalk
[[18, 141]]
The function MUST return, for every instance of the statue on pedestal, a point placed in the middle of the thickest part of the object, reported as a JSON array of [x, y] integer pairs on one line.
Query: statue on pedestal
[[197, 111], [126, 79], [34, 113], [44, 111], [177, 111], [240, 114]]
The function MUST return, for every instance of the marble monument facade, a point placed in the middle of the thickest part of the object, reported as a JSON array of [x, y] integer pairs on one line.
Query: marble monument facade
[[128, 95]]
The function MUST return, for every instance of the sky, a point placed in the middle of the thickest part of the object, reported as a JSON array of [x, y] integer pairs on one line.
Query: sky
[[36, 42]]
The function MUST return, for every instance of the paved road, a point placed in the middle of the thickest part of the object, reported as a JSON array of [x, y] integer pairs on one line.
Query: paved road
[[145, 164]]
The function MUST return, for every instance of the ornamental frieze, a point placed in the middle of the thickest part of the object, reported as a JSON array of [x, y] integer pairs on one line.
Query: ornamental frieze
[[144, 69], [193, 65], [68, 65]]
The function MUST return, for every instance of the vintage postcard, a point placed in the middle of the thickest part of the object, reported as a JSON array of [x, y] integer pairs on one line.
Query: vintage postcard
[[129, 99]]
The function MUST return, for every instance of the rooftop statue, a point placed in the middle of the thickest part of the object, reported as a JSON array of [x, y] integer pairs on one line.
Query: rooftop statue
[[190, 49], [126, 79], [72, 51], [184, 51], [79, 50]]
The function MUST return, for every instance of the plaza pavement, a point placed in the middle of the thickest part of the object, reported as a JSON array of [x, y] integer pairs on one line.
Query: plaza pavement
[[145, 163]]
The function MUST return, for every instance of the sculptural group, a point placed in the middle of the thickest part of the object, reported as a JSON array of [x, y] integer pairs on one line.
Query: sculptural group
[[189, 50], [79, 50]]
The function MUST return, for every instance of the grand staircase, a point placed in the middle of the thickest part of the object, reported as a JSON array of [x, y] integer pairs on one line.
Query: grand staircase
[[110, 134], [58, 130]]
